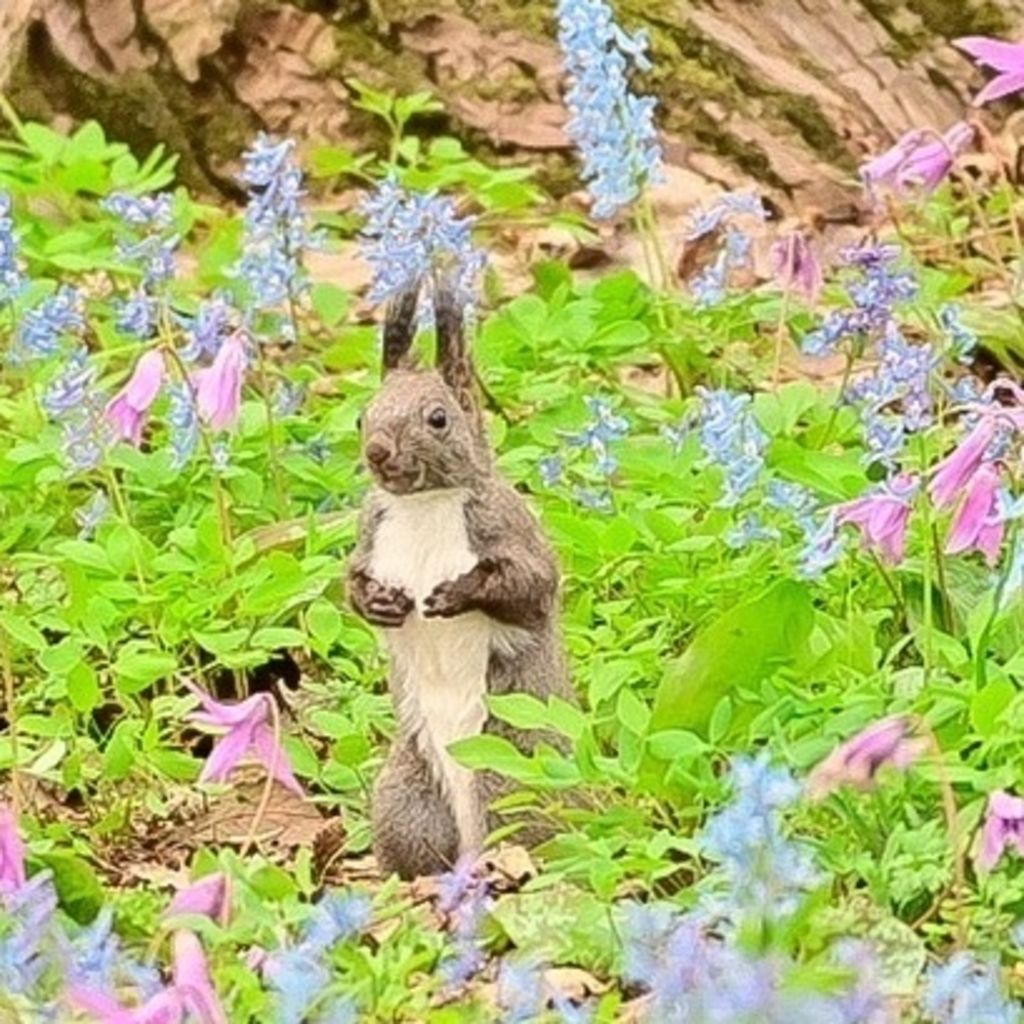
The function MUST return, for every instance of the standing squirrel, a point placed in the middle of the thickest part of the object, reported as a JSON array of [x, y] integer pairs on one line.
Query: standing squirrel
[[453, 565]]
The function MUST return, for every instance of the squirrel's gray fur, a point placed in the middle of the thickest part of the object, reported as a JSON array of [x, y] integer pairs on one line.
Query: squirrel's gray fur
[[488, 626]]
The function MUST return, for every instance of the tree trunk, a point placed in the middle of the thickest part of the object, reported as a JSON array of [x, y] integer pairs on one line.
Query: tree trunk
[[787, 94]]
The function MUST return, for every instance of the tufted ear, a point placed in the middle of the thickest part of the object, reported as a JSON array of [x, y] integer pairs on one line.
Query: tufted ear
[[400, 329], [453, 361]]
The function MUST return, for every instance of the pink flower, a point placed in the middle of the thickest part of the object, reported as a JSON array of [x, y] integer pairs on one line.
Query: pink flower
[[796, 265], [1004, 826], [12, 853], [977, 523], [857, 761], [190, 996], [127, 409], [883, 517], [192, 980], [918, 160], [957, 468], [219, 386], [248, 728], [210, 896], [1006, 58]]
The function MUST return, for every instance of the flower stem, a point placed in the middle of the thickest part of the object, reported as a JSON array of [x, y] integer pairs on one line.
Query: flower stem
[[274, 451], [268, 786], [12, 718], [926, 564], [843, 383]]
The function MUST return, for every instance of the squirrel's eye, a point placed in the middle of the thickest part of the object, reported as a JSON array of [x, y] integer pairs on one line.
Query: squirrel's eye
[[438, 418]]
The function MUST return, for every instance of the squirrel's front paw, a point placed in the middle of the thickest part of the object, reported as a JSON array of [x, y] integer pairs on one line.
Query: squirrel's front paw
[[448, 599], [385, 605]]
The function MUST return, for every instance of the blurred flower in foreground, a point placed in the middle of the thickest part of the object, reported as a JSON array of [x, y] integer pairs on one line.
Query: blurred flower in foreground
[[966, 990], [1003, 828], [127, 410], [409, 236], [209, 896], [12, 852], [612, 126], [882, 516], [920, 159], [1006, 58], [247, 729], [858, 761], [796, 265]]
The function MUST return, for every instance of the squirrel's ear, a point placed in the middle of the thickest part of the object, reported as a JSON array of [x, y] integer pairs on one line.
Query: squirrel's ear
[[400, 328], [453, 362]]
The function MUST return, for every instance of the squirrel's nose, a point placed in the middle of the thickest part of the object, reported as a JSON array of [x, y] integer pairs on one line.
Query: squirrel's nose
[[378, 452]]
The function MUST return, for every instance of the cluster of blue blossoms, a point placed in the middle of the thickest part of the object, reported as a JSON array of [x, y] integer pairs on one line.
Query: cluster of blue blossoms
[[709, 287], [418, 236], [277, 233], [612, 127]]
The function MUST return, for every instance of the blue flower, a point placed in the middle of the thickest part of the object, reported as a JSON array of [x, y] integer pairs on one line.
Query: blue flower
[[26, 947], [763, 873], [551, 469], [966, 990], [727, 205], [212, 323], [823, 545], [12, 279], [732, 439], [750, 529], [297, 980], [137, 315], [962, 340], [92, 513], [612, 127], [184, 423], [277, 227], [43, 326], [520, 991], [335, 918], [151, 212], [410, 235]]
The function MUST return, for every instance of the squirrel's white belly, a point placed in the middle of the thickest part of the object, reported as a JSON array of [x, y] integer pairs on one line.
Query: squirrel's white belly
[[440, 665]]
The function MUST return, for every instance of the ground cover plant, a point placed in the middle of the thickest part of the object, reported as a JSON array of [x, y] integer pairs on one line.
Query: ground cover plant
[[793, 609]]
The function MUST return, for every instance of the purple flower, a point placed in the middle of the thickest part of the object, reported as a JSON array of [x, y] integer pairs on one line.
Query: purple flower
[[796, 266], [1004, 827], [127, 410], [210, 896], [12, 278], [247, 726], [978, 523], [1006, 58], [857, 761], [43, 326], [883, 516], [219, 386], [12, 853]]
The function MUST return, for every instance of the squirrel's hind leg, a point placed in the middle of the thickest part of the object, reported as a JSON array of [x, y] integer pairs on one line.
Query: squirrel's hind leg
[[414, 830]]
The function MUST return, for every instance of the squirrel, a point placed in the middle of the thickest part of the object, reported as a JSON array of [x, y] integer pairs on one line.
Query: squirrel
[[455, 568]]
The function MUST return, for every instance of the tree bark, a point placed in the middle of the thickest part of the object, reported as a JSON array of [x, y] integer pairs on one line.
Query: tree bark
[[787, 94]]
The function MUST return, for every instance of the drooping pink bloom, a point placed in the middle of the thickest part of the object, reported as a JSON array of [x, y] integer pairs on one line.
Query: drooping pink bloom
[[219, 386], [127, 410], [1004, 826], [12, 853], [190, 996], [211, 896], [857, 761], [1006, 58], [952, 474], [796, 266], [930, 163], [882, 517], [248, 728], [919, 160], [192, 980], [977, 523]]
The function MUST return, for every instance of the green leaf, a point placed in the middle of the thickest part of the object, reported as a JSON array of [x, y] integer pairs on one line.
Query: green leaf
[[323, 620], [137, 666], [83, 687], [273, 637], [78, 889], [744, 646], [988, 705], [493, 753], [23, 632], [330, 302]]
